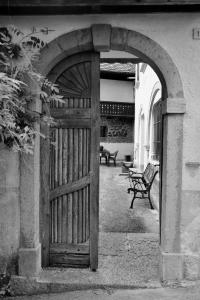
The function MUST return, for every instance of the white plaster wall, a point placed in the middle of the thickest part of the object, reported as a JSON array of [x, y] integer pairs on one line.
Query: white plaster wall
[[143, 97], [9, 209], [116, 90], [123, 148], [174, 33], [148, 81]]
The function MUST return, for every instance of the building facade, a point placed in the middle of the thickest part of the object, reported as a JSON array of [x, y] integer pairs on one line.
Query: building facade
[[168, 44]]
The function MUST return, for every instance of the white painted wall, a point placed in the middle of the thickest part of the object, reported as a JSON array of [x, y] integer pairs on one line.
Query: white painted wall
[[116, 90], [144, 92], [148, 83], [123, 148]]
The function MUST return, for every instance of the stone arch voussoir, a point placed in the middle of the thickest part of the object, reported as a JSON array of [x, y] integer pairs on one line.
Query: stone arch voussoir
[[104, 37]]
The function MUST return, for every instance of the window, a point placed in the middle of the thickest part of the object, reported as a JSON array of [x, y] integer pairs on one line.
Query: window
[[103, 131], [156, 131]]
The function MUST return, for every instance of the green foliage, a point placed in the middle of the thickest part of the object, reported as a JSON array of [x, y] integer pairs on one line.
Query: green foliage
[[18, 53]]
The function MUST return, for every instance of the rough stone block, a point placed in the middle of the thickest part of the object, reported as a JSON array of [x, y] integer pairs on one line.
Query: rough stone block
[[101, 37], [47, 57], [172, 266], [174, 106], [75, 41], [29, 261], [119, 38], [191, 266]]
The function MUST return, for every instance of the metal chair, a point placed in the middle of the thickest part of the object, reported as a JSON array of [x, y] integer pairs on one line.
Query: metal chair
[[112, 157], [103, 153]]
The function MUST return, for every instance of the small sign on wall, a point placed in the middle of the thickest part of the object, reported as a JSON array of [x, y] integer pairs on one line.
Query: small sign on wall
[[196, 34]]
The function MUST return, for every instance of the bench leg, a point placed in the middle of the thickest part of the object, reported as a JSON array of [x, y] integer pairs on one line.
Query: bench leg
[[150, 200], [134, 196], [129, 190]]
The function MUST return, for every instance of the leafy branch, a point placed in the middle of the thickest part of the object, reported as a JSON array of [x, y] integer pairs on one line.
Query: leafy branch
[[18, 53]]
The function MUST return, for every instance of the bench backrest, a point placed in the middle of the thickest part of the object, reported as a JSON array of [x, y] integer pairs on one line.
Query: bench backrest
[[113, 154], [149, 174]]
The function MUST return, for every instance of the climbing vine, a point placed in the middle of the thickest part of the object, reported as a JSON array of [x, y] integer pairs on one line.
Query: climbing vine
[[18, 54]]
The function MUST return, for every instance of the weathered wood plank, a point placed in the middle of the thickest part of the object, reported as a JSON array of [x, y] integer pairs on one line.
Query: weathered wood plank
[[70, 178], [71, 260], [75, 178], [95, 140], [69, 248], [69, 218], [66, 81], [74, 123], [21, 7], [60, 155], [59, 216], [44, 195], [80, 194], [56, 158], [55, 212], [70, 187], [80, 216], [87, 214], [84, 215], [65, 157], [75, 218], [64, 219], [77, 113]]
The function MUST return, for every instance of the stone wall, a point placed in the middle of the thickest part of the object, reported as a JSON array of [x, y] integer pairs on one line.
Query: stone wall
[[119, 130]]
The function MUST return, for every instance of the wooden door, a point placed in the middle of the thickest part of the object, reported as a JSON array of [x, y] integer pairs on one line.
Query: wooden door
[[70, 183]]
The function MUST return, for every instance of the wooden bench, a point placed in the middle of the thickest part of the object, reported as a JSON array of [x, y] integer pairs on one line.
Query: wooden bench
[[140, 183]]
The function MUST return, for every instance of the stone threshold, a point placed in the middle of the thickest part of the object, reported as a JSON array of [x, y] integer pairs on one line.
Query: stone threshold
[[56, 280], [126, 261]]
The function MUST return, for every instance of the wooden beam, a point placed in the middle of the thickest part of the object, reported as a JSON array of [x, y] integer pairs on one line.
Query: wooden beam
[[117, 76], [30, 7], [135, 60]]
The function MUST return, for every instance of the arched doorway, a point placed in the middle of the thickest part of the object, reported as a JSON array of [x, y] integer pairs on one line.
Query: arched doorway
[[103, 37]]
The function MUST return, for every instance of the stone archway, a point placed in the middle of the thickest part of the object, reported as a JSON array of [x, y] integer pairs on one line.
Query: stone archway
[[104, 37]]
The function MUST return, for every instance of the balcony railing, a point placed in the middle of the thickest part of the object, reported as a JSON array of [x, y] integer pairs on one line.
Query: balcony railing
[[119, 109]]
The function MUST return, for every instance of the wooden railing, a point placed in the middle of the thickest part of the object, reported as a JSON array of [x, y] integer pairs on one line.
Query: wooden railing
[[120, 109]]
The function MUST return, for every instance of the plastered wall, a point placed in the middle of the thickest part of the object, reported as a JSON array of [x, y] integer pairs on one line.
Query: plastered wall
[[174, 33], [9, 210], [116, 90], [148, 83]]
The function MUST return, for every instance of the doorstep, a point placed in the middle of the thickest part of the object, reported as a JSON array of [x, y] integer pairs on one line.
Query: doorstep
[[58, 280], [117, 269]]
